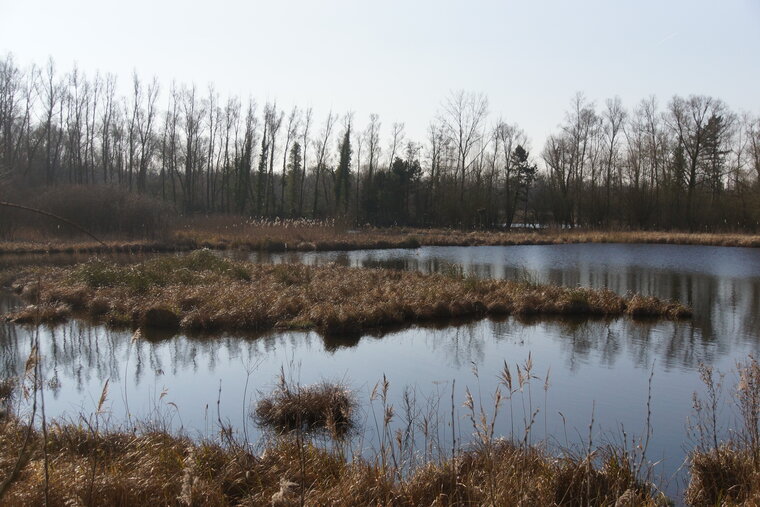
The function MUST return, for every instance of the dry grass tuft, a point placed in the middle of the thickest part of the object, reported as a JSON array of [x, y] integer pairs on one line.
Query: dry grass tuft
[[326, 406], [7, 387], [50, 312], [7, 392]]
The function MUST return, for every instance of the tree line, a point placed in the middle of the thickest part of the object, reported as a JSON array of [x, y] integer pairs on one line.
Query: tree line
[[690, 163]]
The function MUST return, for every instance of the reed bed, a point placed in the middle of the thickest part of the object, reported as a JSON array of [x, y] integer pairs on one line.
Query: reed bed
[[202, 291], [309, 235]]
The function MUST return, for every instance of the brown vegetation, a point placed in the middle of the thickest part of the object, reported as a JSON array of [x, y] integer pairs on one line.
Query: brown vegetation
[[155, 468], [224, 232], [81, 464], [202, 291]]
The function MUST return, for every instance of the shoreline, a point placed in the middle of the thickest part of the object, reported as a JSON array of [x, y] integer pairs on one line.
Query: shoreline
[[327, 239]]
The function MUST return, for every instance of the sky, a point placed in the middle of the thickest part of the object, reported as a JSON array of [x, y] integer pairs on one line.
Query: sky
[[401, 59]]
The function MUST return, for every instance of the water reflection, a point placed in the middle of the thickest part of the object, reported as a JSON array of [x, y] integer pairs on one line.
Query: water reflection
[[599, 363], [87, 354], [721, 284]]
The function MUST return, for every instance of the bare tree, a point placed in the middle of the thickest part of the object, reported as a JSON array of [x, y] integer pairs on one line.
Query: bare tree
[[613, 121], [359, 143], [145, 122], [322, 156], [274, 122], [463, 115], [305, 148], [397, 139], [54, 98], [290, 134], [372, 134], [192, 113]]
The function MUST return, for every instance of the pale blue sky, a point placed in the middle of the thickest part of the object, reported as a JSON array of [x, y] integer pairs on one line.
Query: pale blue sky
[[400, 59]]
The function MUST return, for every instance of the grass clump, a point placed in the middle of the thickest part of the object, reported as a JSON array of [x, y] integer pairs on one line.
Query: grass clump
[[323, 407], [7, 392]]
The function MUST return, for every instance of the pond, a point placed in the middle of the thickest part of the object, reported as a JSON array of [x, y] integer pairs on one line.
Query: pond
[[598, 370]]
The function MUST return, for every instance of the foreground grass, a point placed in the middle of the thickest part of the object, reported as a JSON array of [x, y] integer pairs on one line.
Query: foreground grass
[[303, 235], [204, 292], [81, 464], [87, 467]]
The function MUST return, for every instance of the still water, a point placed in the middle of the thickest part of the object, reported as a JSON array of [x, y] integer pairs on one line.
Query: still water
[[597, 369]]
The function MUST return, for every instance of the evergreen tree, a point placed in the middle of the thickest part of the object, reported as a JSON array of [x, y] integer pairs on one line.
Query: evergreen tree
[[714, 154], [525, 173], [261, 176], [343, 173], [294, 177]]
